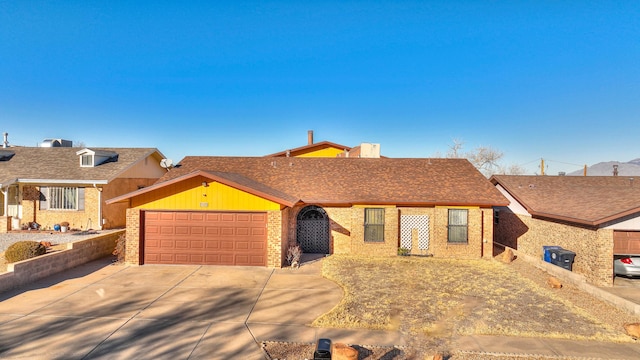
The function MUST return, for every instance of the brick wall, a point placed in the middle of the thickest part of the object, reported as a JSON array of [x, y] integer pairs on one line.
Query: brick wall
[[442, 247], [275, 248], [593, 247], [347, 231], [340, 224], [5, 224], [134, 221], [78, 253], [284, 235], [391, 223]]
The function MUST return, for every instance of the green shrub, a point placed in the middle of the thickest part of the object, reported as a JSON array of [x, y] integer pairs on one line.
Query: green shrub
[[23, 250]]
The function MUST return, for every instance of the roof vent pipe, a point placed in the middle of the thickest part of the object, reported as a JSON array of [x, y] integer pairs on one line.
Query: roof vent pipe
[[310, 137], [5, 143]]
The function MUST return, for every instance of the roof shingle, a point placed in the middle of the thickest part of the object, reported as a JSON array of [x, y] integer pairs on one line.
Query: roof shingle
[[355, 181], [62, 163], [589, 200]]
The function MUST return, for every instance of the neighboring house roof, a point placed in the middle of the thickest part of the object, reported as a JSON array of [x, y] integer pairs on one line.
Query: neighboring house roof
[[343, 181], [309, 148], [588, 200], [62, 165]]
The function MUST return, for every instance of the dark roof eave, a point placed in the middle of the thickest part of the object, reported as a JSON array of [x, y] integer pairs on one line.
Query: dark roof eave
[[570, 219], [402, 203]]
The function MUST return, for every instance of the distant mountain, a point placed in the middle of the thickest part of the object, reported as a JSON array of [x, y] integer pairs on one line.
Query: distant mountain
[[630, 168]]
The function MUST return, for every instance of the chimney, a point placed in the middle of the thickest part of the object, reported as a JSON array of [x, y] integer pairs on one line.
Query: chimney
[[310, 137], [5, 143]]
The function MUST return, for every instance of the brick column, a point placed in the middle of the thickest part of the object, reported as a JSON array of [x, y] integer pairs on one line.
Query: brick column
[[132, 256]]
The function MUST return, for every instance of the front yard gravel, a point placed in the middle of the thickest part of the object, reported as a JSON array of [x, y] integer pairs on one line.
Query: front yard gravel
[[54, 237]]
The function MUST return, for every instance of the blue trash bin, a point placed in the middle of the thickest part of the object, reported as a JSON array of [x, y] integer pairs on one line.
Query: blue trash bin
[[546, 255]]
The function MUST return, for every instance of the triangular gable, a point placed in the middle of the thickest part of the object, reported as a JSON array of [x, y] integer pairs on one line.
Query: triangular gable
[[233, 180], [301, 151]]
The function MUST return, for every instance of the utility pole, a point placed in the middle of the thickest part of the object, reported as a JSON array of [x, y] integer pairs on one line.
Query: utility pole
[[542, 167], [585, 170]]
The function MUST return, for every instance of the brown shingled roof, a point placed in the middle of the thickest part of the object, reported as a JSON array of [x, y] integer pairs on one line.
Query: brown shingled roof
[[355, 181], [62, 163], [589, 200]]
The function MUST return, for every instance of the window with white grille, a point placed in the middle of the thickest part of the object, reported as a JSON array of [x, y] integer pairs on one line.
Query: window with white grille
[[63, 198]]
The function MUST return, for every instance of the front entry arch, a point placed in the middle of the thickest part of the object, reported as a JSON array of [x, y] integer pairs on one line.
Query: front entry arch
[[312, 230]]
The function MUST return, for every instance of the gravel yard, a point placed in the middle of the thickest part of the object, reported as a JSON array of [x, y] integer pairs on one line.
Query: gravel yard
[[54, 237]]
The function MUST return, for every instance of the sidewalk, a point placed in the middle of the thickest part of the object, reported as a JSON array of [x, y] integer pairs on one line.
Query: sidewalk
[[548, 347]]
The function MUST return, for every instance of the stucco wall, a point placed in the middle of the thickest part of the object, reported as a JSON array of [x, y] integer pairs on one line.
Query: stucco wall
[[593, 247], [115, 214]]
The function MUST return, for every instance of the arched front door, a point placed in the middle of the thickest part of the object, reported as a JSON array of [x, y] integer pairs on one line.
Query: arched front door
[[312, 230]]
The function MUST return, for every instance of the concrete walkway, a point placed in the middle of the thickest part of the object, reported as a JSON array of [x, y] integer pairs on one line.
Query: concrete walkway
[[102, 311]]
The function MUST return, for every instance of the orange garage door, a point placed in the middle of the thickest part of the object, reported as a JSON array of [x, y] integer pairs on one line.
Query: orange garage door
[[205, 238]]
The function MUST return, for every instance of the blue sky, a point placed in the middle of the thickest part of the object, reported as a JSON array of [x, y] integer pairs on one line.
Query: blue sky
[[558, 80]]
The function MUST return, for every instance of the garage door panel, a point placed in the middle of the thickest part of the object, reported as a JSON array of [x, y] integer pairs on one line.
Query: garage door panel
[[212, 244], [205, 238], [626, 242], [211, 231], [184, 244], [258, 232], [196, 216], [167, 230], [166, 216]]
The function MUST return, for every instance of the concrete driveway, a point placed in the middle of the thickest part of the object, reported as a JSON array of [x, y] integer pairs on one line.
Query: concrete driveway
[[103, 311]]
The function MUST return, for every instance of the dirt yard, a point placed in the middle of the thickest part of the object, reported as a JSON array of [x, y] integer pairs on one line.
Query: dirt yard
[[433, 301]]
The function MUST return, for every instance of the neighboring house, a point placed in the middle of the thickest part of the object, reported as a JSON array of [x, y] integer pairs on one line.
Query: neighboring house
[[330, 150], [320, 149], [594, 216], [49, 185], [249, 210]]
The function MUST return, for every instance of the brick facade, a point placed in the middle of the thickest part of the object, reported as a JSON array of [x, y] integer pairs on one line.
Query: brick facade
[[5, 224], [134, 223], [593, 247], [347, 233]]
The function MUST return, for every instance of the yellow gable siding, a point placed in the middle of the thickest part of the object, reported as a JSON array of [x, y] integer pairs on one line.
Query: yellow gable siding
[[326, 152], [191, 195]]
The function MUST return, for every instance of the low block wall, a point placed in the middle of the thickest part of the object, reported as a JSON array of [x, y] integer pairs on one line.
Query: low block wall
[[78, 253]]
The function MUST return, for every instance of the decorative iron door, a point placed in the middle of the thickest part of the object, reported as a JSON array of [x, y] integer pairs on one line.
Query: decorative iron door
[[312, 230]]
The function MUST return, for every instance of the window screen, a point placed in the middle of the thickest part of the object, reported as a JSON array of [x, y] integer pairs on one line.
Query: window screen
[[458, 229], [374, 225]]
